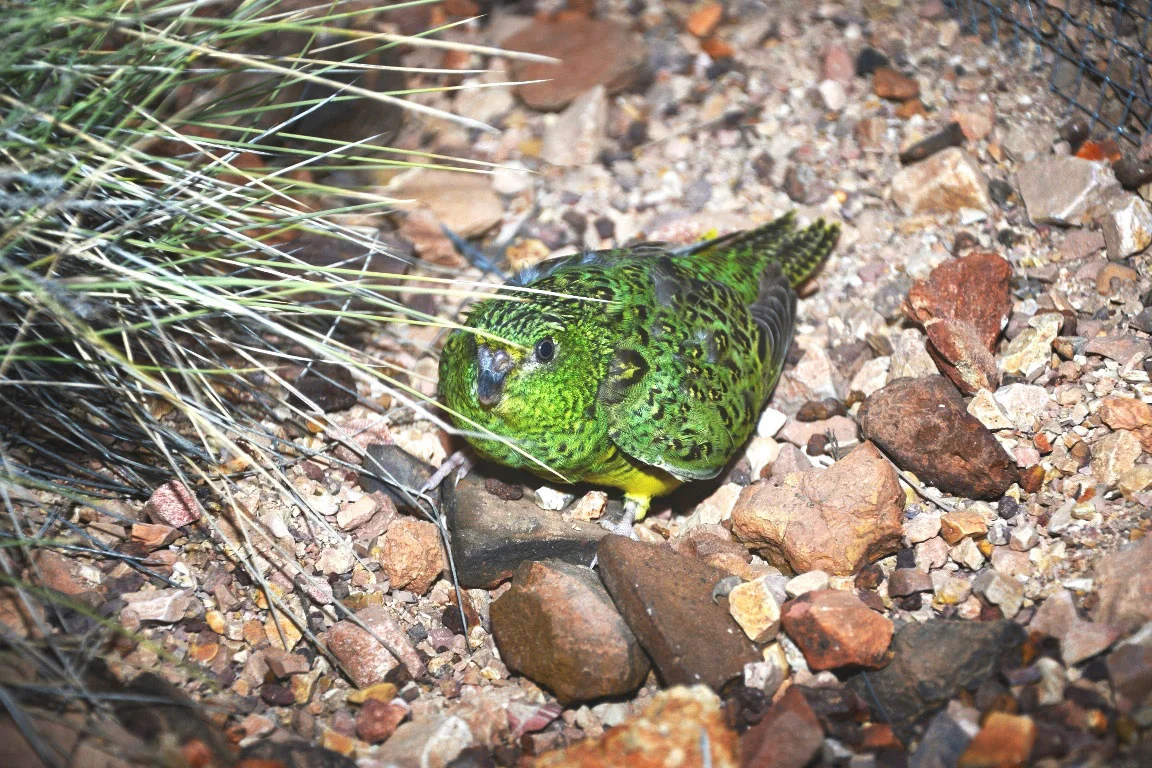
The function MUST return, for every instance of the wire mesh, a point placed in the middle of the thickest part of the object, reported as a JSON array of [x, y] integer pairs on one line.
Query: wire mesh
[[1098, 53]]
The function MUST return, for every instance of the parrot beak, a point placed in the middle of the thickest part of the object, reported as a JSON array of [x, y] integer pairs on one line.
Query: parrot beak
[[494, 366]]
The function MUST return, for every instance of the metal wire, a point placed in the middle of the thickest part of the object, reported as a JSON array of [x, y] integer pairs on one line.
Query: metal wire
[[1098, 53]]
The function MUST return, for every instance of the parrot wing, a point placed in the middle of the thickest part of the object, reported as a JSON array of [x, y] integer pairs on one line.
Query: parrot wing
[[686, 384]]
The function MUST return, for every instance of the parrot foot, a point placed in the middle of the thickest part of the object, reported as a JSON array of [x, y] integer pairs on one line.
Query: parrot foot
[[475, 256], [459, 462], [633, 509], [622, 527]]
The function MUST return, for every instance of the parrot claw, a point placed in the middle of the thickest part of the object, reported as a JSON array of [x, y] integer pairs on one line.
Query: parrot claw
[[459, 463], [474, 255], [623, 526]]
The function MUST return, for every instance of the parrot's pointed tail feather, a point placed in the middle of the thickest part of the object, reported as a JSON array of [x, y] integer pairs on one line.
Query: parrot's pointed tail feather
[[799, 252]]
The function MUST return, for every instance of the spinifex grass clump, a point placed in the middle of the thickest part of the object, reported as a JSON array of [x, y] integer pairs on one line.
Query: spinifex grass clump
[[164, 315]]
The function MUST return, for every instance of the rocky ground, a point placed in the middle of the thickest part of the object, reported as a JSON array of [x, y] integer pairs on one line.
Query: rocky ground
[[934, 551]]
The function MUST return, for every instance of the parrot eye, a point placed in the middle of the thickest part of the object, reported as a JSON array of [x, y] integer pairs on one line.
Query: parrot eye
[[545, 350]]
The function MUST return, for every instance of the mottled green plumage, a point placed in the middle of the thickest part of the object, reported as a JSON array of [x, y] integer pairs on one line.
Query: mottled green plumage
[[661, 358]]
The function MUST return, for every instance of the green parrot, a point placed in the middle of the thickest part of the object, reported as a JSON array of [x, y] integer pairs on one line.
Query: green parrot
[[639, 368]]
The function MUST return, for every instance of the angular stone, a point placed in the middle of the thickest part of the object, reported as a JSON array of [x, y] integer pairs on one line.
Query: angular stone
[[374, 654], [715, 509], [411, 554], [1023, 538], [887, 83], [714, 545], [491, 536], [577, 136], [1135, 480], [354, 514], [153, 536], [968, 555], [835, 629], [923, 426], [436, 740], [173, 504], [806, 582], [961, 524], [910, 358], [946, 738], [70, 575], [591, 52], [1000, 590], [1004, 740], [907, 581], [283, 664], [673, 729], [462, 202], [1123, 581], [558, 627], [1028, 354], [1079, 639], [931, 554], [1010, 562], [1113, 455], [949, 589], [552, 499], [1086, 639], [1066, 190], [378, 720], [944, 183], [836, 520], [667, 600], [163, 606], [1125, 413], [963, 306], [922, 527], [1123, 349], [988, 412], [1130, 670], [935, 660], [1080, 244], [1025, 141], [755, 607], [789, 736], [1025, 404], [1127, 227]]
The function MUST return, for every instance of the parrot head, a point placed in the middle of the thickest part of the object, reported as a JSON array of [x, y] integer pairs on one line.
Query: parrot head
[[519, 368]]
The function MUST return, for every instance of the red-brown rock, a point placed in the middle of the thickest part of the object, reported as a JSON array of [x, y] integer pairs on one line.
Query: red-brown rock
[[672, 730], [835, 629], [152, 536], [1123, 584], [887, 83], [963, 305], [835, 520], [923, 426], [411, 554], [558, 627], [1004, 741], [492, 536], [667, 600], [1125, 413], [591, 52], [369, 660], [377, 720], [789, 736], [173, 504]]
